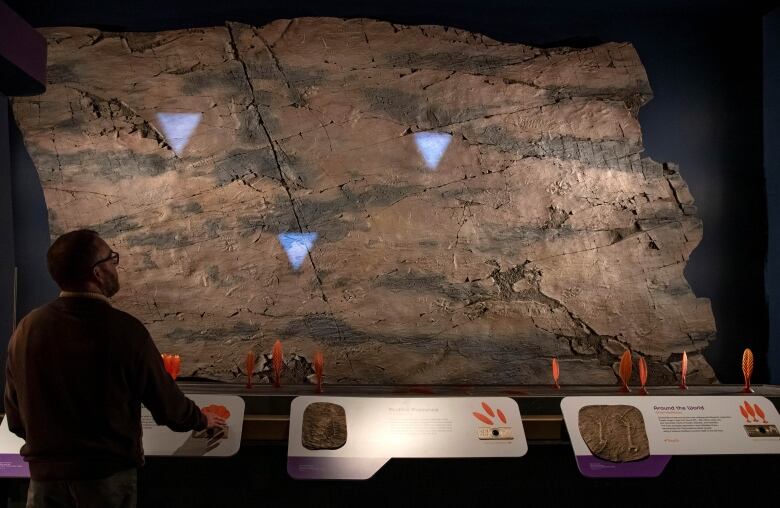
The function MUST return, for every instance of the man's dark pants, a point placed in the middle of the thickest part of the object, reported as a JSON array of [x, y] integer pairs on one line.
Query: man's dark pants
[[116, 491]]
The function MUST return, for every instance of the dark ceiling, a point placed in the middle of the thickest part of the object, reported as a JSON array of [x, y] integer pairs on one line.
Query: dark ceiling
[[501, 19]]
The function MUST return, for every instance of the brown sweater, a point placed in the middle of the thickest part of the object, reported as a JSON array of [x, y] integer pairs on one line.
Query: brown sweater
[[77, 373]]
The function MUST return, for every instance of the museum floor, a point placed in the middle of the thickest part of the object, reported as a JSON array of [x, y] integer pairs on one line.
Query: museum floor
[[547, 476]]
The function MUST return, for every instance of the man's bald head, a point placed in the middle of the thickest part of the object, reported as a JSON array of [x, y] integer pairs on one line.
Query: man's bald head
[[71, 258]]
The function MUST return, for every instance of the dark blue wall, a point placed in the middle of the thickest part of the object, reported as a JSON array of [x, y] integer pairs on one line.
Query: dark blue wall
[[7, 261], [772, 170], [24, 232], [31, 227]]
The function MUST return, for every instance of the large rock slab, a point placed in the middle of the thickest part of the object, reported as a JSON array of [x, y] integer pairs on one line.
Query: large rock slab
[[540, 231]]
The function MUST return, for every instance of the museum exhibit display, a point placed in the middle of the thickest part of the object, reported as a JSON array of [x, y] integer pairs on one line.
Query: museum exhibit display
[[481, 226], [402, 197]]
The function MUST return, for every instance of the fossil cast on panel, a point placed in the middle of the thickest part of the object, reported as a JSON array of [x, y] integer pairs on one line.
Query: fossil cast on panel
[[614, 433], [422, 204], [324, 426]]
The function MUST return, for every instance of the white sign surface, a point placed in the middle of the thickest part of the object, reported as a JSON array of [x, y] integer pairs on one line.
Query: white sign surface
[[157, 440], [368, 431], [11, 463], [692, 425], [9, 442], [161, 441]]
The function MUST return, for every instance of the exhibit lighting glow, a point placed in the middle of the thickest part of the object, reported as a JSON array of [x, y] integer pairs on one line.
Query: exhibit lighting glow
[[297, 246], [432, 146], [178, 128]]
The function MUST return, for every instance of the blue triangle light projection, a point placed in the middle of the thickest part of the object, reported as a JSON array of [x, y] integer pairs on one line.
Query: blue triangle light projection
[[432, 146], [297, 246], [178, 128]]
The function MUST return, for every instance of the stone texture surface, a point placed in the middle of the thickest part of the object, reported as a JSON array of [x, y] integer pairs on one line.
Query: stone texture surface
[[542, 232], [324, 426], [614, 433]]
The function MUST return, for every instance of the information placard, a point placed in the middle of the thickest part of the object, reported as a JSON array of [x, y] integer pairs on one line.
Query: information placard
[[157, 440], [12, 465], [636, 435], [162, 441], [352, 437]]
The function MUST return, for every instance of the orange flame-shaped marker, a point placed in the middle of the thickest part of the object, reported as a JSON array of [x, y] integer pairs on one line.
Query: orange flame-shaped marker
[[503, 418], [166, 363], [625, 371], [684, 372], [176, 366], [277, 359], [747, 369], [488, 409], [250, 367], [642, 375], [750, 410], [556, 372], [744, 414], [172, 364], [319, 363], [760, 413]]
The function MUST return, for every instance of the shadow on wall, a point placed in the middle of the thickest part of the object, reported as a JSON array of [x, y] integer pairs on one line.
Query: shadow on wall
[[31, 228], [772, 174], [6, 231]]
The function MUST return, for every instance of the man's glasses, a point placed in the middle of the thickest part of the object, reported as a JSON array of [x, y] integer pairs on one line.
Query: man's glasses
[[113, 257]]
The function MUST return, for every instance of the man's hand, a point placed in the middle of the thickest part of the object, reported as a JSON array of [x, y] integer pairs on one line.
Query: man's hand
[[213, 421]]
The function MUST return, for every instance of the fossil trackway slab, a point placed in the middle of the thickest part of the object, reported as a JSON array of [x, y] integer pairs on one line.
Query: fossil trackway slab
[[614, 432], [461, 210], [324, 426]]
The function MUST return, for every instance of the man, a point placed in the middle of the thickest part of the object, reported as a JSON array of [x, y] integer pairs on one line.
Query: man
[[77, 373]]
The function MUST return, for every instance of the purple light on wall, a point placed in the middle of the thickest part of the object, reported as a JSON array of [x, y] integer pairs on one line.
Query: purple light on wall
[[297, 247], [178, 128], [432, 146]]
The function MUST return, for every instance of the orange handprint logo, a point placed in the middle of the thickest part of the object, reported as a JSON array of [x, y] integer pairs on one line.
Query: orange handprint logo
[[493, 431], [755, 428]]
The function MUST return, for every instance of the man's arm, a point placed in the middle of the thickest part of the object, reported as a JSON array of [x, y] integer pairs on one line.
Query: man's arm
[[162, 396], [11, 401]]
